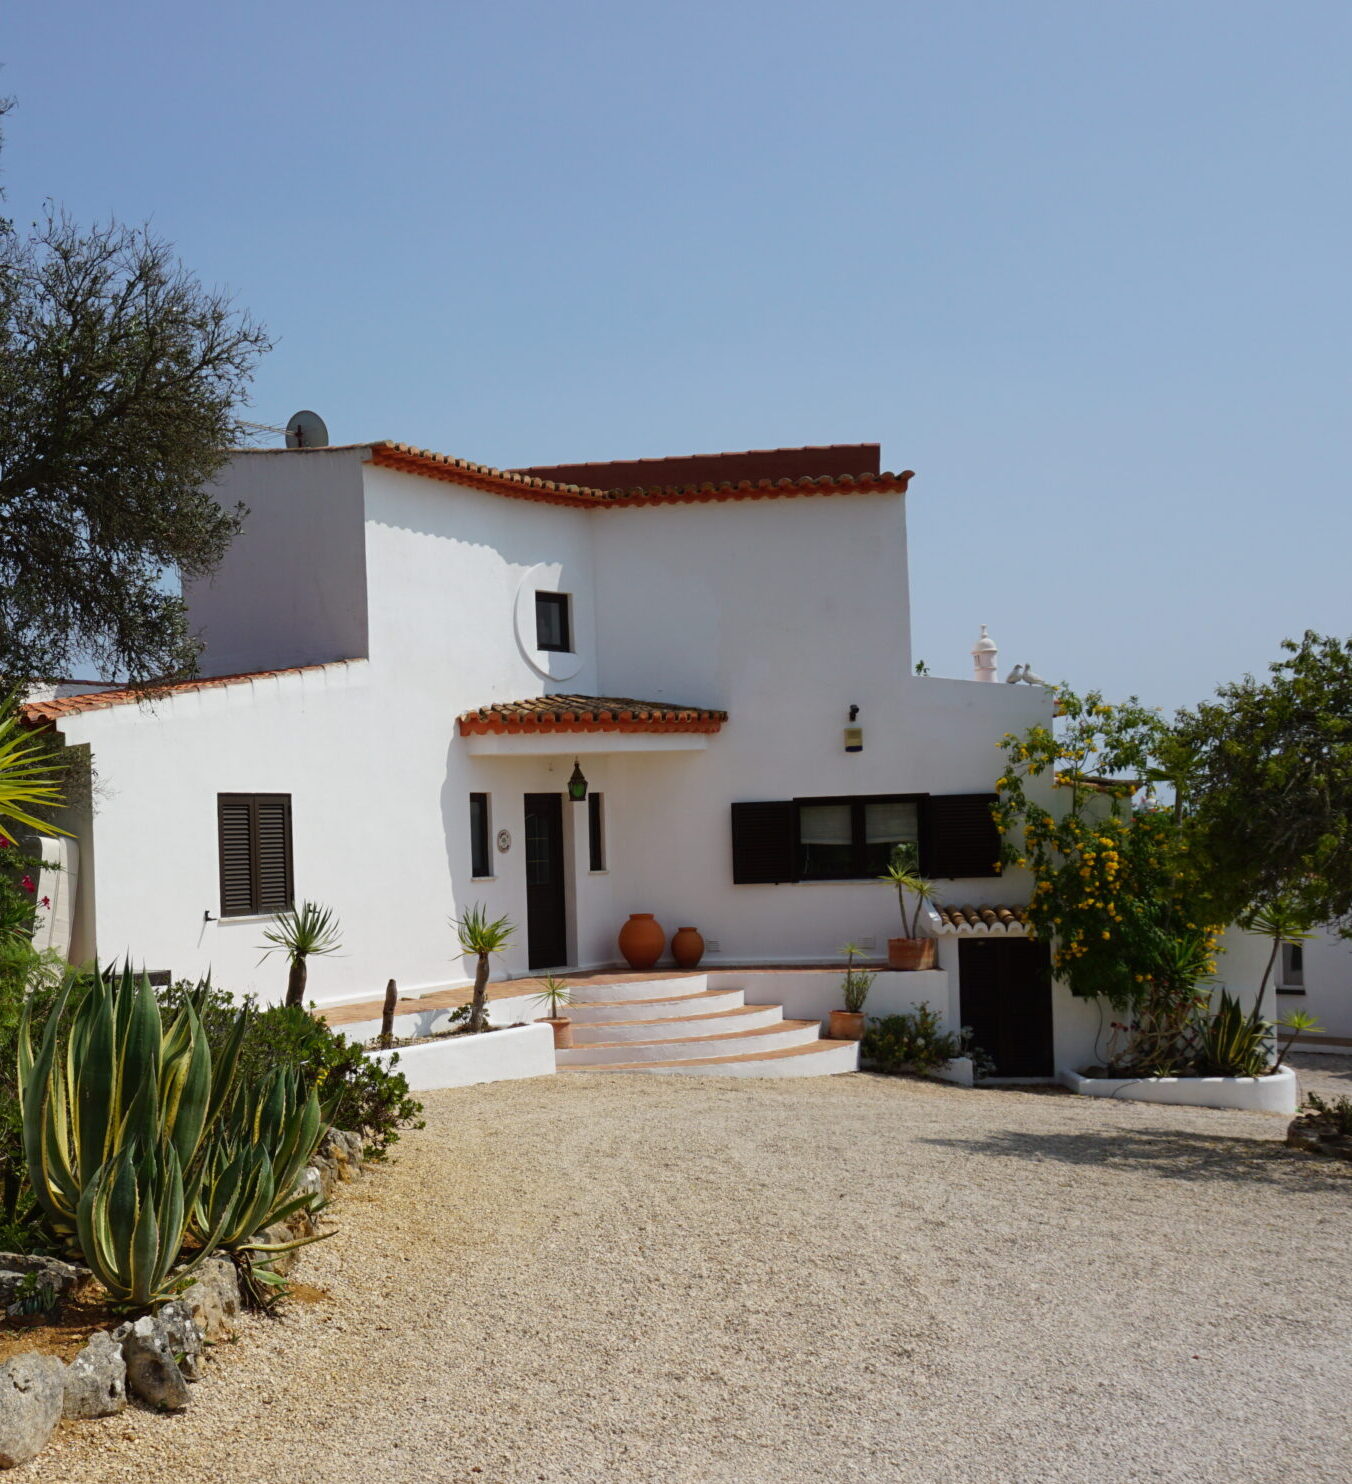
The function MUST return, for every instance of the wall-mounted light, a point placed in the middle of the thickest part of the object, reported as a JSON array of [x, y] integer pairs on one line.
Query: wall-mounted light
[[854, 736], [577, 783]]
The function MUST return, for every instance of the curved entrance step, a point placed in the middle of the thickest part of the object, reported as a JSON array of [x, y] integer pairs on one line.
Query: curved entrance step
[[706, 1000], [818, 1059], [592, 991], [777, 1037], [714, 1023]]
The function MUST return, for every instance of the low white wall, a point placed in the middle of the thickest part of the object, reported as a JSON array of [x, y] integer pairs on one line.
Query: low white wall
[[462, 1061], [1274, 1094], [811, 994], [437, 1018]]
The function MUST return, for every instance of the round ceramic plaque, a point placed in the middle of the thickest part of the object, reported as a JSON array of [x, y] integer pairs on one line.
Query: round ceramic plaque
[[504, 840]]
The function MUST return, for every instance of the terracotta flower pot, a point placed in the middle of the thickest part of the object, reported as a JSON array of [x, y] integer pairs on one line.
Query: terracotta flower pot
[[563, 1030], [847, 1025], [910, 953], [687, 947], [642, 940]]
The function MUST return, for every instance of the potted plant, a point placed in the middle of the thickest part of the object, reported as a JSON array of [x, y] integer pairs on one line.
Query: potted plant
[[910, 951], [848, 1024], [554, 997]]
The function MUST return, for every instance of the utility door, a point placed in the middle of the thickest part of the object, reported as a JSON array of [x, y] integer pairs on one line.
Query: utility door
[[546, 905], [1005, 989]]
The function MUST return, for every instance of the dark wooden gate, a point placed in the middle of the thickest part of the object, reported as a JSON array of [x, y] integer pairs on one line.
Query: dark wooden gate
[[1005, 988], [546, 903]]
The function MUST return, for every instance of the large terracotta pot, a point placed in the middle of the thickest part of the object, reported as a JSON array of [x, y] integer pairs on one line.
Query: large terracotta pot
[[642, 940], [847, 1025], [910, 953], [687, 947], [563, 1031]]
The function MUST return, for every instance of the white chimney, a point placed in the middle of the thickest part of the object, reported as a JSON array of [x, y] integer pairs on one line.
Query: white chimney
[[984, 658]]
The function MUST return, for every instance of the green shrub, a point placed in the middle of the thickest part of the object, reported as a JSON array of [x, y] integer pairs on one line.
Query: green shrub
[[355, 1092], [1336, 1112], [912, 1042]]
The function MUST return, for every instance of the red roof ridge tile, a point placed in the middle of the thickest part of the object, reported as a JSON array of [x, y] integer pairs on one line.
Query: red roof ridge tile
[[555, 713]]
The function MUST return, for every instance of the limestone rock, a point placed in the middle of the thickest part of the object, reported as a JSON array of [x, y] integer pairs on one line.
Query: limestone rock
[[96, 1380], [152, 1371], [183, 1338], [31, 1388], [16, 1267], [213, 1300]]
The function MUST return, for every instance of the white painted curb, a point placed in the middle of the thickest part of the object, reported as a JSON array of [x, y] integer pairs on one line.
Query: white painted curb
[[1276, 1093], [462, 1061]]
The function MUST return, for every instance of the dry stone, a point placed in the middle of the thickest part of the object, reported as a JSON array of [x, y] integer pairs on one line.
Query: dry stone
[[183, 1337], [152, 1372], [31, 1390], [213, 1300], [17, 1267], [96, 1380]]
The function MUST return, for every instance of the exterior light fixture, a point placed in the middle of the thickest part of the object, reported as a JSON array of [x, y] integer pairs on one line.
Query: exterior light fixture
[[577, 784], [854, 736]]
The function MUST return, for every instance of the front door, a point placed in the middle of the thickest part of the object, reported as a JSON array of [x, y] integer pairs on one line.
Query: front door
[[1005, 990], [546, 909]]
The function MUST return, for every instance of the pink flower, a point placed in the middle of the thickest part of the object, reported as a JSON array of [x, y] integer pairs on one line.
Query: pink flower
[[46, 901], [5, 842], [28, 884]]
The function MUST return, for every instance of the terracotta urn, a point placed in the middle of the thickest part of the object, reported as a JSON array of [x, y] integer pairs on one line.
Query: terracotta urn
[[642, 940], [846, 1025], [687, 947], [910, 953], [563, 1030]]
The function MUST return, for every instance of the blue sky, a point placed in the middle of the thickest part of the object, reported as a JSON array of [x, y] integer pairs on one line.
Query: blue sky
[[1083, 267]]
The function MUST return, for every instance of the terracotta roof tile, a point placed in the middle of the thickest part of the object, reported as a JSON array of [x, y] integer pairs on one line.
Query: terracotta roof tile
[[1009, 920], [99, 700], [522, 484], [588, 714]]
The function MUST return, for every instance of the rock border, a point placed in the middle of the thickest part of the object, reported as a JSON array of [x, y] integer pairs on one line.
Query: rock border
[[153, 1356]]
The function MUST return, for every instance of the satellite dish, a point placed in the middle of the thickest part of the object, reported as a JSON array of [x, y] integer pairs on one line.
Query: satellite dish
[[307, 430]]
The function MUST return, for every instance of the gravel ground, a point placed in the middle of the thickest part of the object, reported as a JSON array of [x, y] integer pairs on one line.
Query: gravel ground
[[1329, 1076], [849, 1278]]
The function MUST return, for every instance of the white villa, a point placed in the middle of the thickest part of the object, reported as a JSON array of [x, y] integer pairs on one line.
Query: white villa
[[407, 658]]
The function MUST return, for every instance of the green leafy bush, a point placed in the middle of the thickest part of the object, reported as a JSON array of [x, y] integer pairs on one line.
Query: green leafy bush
[[355, 1092], [912, 1042], [1335, 1112]]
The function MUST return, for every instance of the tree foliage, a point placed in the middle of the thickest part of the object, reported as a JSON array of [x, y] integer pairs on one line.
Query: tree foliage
[[119, 375], [1270, 786]]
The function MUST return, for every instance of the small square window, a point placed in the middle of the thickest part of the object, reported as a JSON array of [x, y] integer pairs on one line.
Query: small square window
[[552, 627]]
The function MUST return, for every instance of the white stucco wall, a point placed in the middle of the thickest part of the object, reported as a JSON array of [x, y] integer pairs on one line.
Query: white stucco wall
[[1328, 987]]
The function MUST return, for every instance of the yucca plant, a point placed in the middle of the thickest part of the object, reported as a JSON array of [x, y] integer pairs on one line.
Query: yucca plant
[[481, 936], [300, 933], [113, 1127], [903, 874], [554, 996]]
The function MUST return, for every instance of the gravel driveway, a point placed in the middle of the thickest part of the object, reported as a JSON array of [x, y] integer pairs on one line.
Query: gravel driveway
[[764, 1282]]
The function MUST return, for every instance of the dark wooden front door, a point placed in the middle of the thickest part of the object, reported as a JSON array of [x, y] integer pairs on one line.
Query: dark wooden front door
[[1005, 988], [546, 908]]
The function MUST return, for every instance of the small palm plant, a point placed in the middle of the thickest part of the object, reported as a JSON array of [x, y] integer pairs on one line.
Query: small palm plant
[[854, 987], [903, 872], [554, 996], [481, 936], [300, 933]]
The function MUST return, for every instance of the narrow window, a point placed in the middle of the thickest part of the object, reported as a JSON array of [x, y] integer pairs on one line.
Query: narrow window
[[552, 628], [480, 862], [596, 831], [1292, 979], [254, 841]]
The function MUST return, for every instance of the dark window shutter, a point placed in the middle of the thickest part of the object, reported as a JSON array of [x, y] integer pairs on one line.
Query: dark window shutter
[[764, 842], [958, 836], [273, 852], [234, 820]]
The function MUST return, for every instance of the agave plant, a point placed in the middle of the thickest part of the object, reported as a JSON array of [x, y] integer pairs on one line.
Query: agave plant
[[1233, 1043], [113, 1128], [254, 1163]]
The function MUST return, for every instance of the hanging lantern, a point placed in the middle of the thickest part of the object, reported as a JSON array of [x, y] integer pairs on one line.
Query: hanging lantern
[[577, 784]]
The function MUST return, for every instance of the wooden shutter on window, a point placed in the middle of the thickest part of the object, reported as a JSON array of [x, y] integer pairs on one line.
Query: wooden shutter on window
[[764, 842], [958, 836], [273, 852], [234, 824]]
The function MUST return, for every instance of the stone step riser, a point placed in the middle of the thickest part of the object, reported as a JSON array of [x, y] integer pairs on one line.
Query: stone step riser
[[640, 989], [774, 1040], [731, 999], [751, 1017], [829, 1061]]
